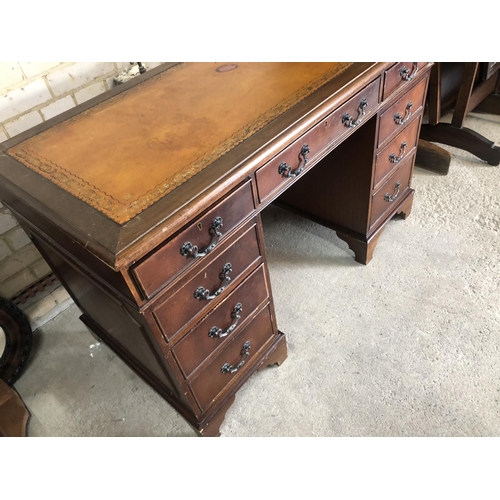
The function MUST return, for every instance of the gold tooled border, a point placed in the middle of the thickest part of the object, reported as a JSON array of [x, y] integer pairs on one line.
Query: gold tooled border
[[115, 209]]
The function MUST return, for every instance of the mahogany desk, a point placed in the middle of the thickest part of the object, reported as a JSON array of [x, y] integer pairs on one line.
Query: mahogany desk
[[146, 203]]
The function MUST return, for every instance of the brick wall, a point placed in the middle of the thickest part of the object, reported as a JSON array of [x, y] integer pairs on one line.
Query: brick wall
[[30, 93]]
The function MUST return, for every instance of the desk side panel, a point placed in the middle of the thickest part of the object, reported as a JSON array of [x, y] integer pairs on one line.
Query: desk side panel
[[30, 219], [121, 327]]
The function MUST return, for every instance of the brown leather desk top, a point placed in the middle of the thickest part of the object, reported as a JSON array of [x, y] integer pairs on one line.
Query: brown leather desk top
[[122, 172], [127, 152]]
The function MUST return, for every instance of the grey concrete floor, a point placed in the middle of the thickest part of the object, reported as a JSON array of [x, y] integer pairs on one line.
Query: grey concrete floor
[[406, 346]]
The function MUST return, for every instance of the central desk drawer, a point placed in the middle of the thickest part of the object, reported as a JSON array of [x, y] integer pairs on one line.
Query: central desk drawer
[[214, 281], [179, 253], [222, 324], [292, 161], [216, 376]]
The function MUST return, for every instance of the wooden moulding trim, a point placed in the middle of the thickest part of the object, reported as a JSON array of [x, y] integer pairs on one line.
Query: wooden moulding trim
[[22, 200]]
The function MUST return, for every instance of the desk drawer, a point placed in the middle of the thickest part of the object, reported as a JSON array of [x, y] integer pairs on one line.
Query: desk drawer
[[213, 379], [389, 195], [392, 155], [400, 74], [292, 161], [178, 254], [202, 341], [401, 112], [212, 282]]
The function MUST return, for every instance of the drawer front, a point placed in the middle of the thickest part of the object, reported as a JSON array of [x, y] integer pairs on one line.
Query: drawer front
[[215, 377], [392, 155], [389, 195], [180, 253], [400, 74], [401, 112], [222, 324], [214, 281], [291, 162]]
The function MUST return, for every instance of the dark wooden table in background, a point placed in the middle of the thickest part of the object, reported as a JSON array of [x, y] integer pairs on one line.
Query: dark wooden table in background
[[461, 88]]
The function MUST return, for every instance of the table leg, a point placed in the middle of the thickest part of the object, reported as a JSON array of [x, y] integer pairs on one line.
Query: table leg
[[432, 157], [462, 138]]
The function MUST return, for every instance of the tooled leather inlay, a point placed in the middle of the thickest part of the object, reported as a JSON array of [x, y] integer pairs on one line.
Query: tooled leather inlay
[[126, 153]]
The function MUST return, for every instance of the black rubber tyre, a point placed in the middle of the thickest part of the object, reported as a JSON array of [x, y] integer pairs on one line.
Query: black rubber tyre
[[18, 341]]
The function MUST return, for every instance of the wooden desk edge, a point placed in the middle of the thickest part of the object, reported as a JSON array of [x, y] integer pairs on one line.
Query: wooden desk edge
[[119, 246]]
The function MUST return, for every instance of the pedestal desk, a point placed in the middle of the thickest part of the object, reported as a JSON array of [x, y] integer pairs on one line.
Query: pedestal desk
[[146, 203]]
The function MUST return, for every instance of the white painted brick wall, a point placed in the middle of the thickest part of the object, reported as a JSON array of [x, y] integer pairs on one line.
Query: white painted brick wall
[[15, 102], [17, 238], [10, 74], [19, 261], [5, 251], [40, 269], [31, 69], [30, 93], [7, 221], [77, 76], [24, 122], [19, 281], [90, 91], [57, 107]]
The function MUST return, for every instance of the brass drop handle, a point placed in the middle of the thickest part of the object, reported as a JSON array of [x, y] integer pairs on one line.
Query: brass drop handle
[[190, 250], [400, 120], [203, 293], [396, 159], [348, 120], [216, 332], [227, 368], [390, 198], [408, 75], [286, 170]]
